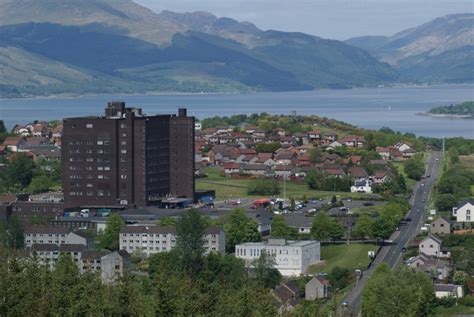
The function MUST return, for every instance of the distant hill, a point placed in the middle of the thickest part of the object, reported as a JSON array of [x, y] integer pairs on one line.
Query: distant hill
[[441, 50], [117, 45]]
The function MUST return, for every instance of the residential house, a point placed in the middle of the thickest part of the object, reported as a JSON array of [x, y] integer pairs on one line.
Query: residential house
[[333, 145], [286, 158], [358, 173], [231, 169], [288, 295], [448, 290], [314, 135], [258, 170], [114, 265], [464, 212], [14, 143], [384, 152], [280, 131], [334, 170], [329, 138], [317, 287], [441, 225], [434, 267], [433, 246], [362, 186], [380, 177], [354, 141], [403, 146], [284, 171], [355, 159]]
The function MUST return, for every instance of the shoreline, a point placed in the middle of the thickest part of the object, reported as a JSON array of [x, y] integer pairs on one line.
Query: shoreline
[[445, 115], [175, 93]]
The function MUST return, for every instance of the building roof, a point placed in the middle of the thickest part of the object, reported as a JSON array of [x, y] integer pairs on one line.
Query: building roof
[[445, 287], [93, 255], [466, 201], [46, 230], [72, 248], [357, 171], [13, 140], [256, 167], [44, 247]]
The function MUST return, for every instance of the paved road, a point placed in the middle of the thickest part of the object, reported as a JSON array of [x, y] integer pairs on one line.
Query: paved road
[[392, 253]]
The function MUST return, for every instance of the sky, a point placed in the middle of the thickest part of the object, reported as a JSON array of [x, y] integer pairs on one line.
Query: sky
[[336, 19]]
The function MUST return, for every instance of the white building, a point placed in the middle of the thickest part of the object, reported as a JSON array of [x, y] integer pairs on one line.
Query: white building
[[464, 212], [55, 235], [154, 239], [448, 290], [110, 265], [433, 246], [291, 257], [361, 186]]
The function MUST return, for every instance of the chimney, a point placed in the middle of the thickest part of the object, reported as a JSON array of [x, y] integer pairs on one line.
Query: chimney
[[182, 112]]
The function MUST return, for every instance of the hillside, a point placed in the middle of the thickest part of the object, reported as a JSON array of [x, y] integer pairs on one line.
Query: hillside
[[462, 109], [190, 52], [441, 50]]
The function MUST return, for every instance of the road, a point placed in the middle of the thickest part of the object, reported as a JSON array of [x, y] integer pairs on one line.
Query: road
[[391, 254]]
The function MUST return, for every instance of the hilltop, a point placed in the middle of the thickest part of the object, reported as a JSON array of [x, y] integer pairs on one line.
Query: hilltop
[[121, 46], [441, 50]]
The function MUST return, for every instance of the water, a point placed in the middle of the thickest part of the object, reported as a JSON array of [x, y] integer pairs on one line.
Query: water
[[371, 108]]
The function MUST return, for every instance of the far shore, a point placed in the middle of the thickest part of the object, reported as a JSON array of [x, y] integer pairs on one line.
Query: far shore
[[445, 115]]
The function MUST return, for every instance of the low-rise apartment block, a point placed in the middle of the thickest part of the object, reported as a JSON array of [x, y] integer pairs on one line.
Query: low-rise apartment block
[[55, 235], [149, 240], [109, 265], [291, 257]]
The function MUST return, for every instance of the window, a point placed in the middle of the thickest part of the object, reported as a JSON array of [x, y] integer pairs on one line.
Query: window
[[123, 142], [100, 142], [123, 151], [89, 126]]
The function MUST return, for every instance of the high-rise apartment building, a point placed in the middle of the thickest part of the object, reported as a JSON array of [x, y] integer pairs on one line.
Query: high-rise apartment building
[[126, 158]]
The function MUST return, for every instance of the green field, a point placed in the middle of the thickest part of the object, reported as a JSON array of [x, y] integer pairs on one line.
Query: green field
[[351, 256], [227, 188], [399, 166]]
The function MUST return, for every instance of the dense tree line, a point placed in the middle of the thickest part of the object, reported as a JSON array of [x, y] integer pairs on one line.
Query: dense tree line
[[182, 282], [319, 180], [263, 187], [402, 292], [21, 174], [454, 185]]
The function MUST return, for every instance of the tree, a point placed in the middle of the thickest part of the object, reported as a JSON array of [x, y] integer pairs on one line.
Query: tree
[[267, 147], [40, 184], [11, 233], [109, 238], [325, 228], [280, 229], [399, 293], [240, 228], [265, 273], [445, 202], [19, 172], [315, 155], [190, 230], [166, 222], [364, 227], [414, 168], [263, 187], [2, 127]]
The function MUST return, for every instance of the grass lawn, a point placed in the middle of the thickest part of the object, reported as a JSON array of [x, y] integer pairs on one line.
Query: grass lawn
[[369, 210], [467, 161], [351, 256], [399, 166], [226, 187]]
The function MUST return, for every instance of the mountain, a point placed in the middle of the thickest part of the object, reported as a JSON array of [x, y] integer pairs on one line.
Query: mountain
[[441, 50], [117, 45]]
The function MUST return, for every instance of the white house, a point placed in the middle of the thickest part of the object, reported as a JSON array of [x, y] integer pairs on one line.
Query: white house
[[361, 186], [448, 290], [432, 246], [464, 212], [291, 257], [402, 146]]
